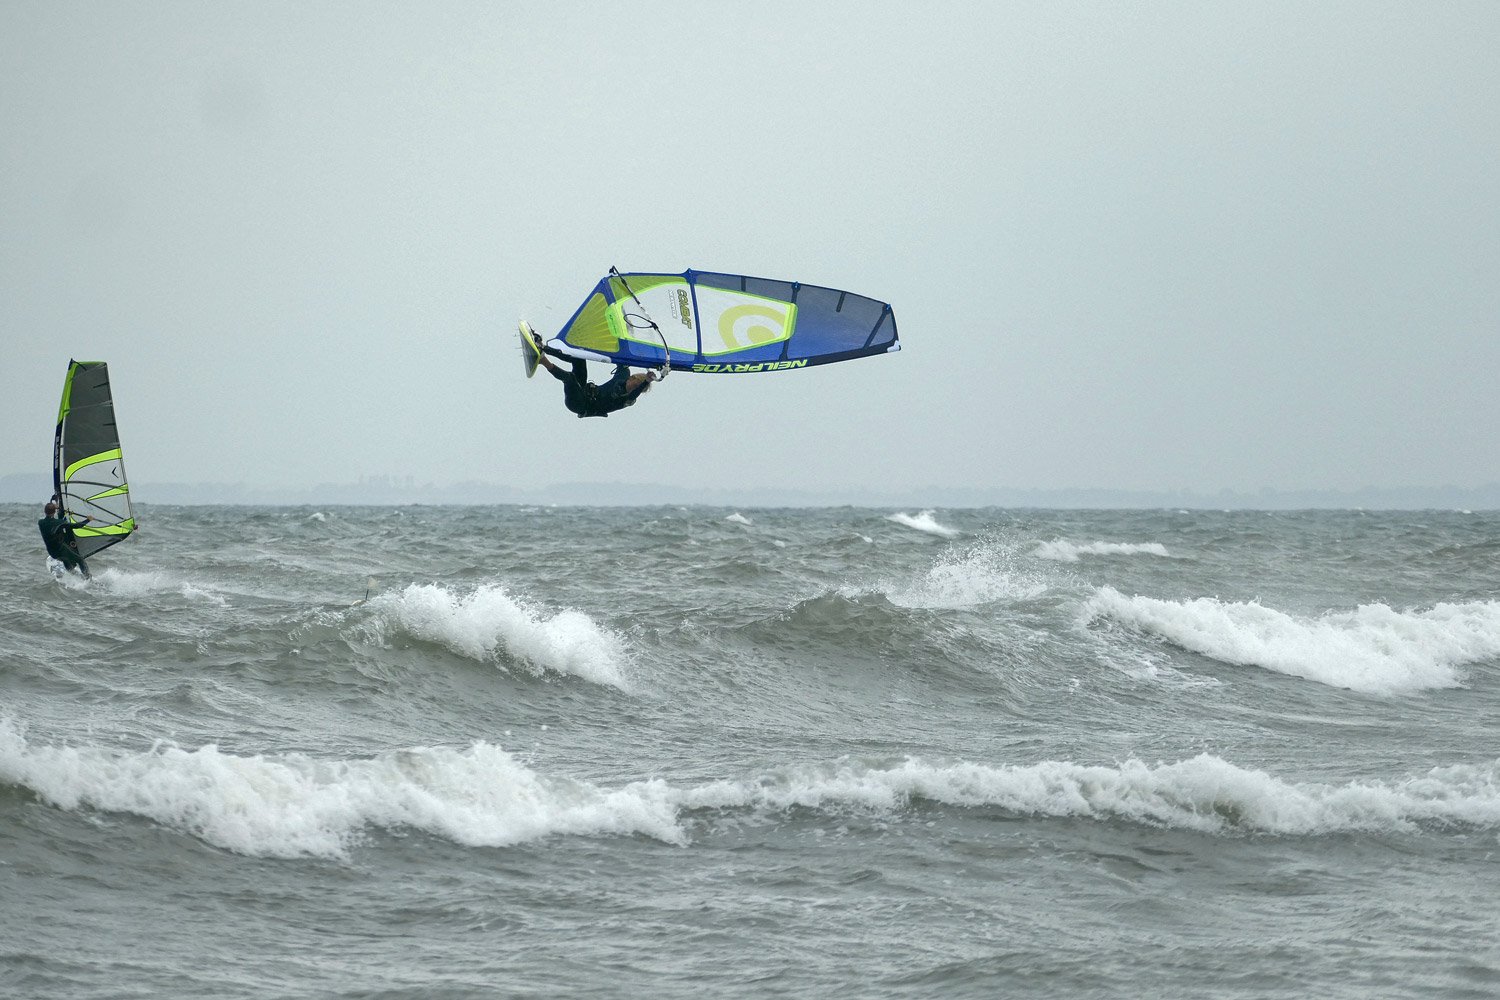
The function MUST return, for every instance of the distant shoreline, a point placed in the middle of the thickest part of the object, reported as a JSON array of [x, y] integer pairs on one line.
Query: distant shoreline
[[381, 491]]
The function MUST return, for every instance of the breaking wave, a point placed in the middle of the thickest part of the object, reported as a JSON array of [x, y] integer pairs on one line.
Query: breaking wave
[[295, 805], [1062, 550], [489, 624], [1372, 649], [924, 522]]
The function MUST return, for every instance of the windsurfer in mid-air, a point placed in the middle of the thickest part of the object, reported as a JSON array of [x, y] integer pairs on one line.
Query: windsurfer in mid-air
[[57, 535], [584, 397]]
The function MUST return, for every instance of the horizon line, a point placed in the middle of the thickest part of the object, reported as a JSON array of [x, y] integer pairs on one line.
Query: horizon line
[[402, 490]]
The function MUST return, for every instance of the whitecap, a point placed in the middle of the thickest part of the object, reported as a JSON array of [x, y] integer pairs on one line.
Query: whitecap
[[295, 805], [1062, 550], [1205, 794], [487, 622], [1373, 649], [925, 522]]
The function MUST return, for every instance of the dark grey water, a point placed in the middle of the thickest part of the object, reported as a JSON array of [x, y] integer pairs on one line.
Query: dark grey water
[[698, 752]]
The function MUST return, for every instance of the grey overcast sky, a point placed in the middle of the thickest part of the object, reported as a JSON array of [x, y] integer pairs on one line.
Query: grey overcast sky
[[1144, 246]]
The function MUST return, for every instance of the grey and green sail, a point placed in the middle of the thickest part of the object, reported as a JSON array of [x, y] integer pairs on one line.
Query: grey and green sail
[[88, 469]]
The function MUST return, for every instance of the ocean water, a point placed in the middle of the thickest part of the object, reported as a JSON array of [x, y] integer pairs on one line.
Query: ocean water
[[706, 752]]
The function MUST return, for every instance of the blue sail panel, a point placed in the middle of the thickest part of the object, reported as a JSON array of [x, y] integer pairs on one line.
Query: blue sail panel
[[714, 323]]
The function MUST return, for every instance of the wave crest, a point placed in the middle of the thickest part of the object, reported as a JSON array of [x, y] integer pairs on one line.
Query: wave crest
[[1205, 794], [924, 522], [489, 622], [1373, 649], [1062, 550], [294, 805]]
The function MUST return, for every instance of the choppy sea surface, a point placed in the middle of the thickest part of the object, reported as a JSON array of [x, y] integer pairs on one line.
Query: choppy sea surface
[[707, 752]]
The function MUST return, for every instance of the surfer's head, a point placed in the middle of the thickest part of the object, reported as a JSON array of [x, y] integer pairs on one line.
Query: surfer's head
[[51, 508]]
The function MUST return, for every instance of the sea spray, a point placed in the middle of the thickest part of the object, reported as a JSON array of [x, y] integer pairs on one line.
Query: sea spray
[[986, 571]]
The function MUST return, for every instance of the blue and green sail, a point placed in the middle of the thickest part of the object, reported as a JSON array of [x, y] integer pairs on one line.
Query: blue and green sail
[[88, 468], [713, 323]]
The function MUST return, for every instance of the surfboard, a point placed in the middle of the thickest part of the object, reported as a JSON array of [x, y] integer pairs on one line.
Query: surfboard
[[530, 355]]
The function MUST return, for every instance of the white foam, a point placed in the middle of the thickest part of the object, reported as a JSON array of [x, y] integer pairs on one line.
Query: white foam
[[132, 584], [738, 518], [1205, 794], [487, 622], [1373, 649], [69, 580], [980, 574], [1062, 550], [295, 805], [924, 521]]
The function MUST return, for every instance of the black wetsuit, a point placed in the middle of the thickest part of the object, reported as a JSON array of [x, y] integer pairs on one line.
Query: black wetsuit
[[589, 400], [57, 535]]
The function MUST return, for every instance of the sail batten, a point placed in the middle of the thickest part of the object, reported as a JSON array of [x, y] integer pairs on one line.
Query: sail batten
[[88, 471], [714, 323]]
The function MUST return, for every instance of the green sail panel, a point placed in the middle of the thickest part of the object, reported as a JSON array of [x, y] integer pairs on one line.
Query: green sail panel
[[88, 467]]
